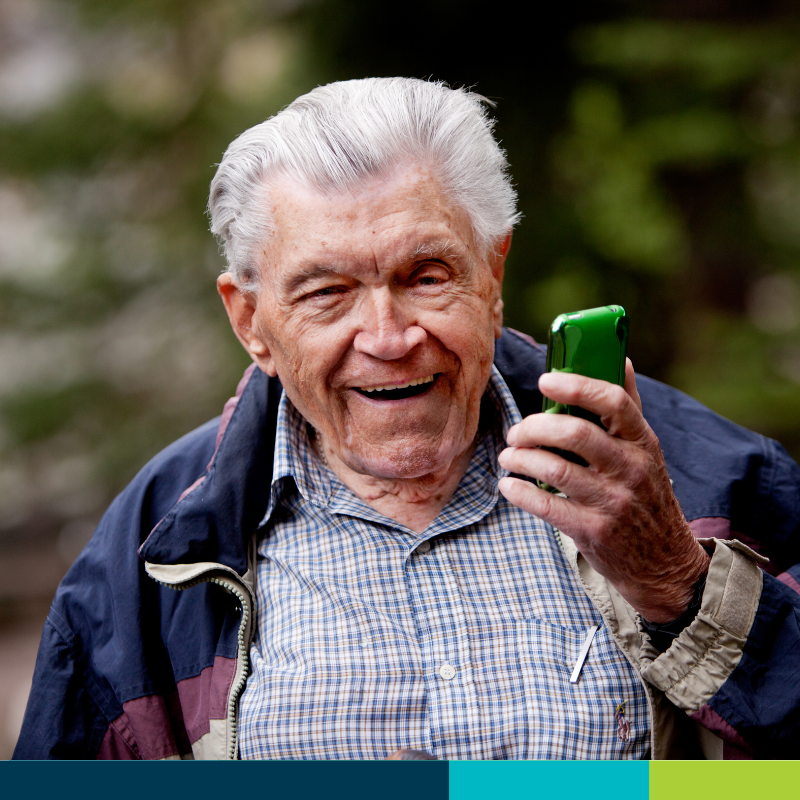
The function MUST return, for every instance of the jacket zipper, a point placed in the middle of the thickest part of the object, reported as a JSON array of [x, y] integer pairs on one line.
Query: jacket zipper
[[242, 661]]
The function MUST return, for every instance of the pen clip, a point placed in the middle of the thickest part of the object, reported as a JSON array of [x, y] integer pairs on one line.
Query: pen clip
[[587, 643]]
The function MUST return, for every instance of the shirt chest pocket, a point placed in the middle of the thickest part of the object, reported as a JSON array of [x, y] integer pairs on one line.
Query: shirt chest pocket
[[578, 720]]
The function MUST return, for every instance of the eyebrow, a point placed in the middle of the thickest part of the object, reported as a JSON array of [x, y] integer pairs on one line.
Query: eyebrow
[[441, 248]]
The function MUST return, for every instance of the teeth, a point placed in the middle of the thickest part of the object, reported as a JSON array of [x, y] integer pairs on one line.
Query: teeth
[[417, 382]]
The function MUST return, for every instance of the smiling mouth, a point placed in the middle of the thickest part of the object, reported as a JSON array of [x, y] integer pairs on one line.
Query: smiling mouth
[[398, 391]]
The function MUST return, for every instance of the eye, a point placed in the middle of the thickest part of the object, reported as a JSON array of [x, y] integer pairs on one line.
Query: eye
[[430, 274], [324, 296], [326, 290]]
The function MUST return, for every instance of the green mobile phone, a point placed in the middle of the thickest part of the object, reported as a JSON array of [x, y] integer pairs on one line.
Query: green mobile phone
[[593, 342]]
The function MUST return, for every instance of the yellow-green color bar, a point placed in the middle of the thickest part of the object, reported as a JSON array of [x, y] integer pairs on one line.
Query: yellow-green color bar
[[726, 780]]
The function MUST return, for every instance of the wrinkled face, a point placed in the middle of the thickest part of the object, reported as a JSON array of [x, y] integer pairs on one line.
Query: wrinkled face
[[378, 312]]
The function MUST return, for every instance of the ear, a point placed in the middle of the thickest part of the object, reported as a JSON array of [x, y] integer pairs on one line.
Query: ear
[[498, 264], [241, 306]]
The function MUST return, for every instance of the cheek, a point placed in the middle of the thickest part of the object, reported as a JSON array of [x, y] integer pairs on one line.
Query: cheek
[[309, 370], [306, 361], [470, 333]]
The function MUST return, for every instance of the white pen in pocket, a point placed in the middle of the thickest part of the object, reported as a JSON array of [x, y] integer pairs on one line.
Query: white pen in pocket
[[587, 643]]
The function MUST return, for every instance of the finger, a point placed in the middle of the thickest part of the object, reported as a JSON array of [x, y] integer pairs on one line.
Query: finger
[[630, 384], [615, 407], [574, 480], [560, 512], [577, 435]]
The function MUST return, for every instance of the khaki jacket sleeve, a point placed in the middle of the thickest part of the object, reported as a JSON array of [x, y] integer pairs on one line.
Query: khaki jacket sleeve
[[705, 654]]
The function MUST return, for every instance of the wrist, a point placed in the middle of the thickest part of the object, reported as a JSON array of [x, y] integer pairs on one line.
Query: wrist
[[676, 591], [663, 634]]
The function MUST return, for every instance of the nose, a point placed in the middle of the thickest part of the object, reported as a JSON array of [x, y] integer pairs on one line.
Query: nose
[[385, 332]]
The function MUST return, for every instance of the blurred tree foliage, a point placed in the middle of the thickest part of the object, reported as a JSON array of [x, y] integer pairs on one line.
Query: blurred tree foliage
[[112, 340], [655, 147]]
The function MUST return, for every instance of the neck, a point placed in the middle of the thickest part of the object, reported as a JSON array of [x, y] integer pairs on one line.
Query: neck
[[414, 502]]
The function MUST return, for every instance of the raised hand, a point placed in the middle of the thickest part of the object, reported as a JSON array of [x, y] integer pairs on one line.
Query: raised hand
[[620, 509]]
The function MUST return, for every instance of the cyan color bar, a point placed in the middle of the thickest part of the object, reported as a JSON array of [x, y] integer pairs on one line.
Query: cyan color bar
[[549, 780]]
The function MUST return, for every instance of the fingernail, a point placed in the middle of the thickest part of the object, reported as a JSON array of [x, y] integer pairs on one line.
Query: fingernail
[[511, 437]]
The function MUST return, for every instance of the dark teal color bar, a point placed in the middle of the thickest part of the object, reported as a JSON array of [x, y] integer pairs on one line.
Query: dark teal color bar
[[209, 780], [549, 780]]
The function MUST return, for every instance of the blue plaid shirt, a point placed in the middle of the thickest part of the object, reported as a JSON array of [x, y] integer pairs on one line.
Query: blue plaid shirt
[[459, 640]]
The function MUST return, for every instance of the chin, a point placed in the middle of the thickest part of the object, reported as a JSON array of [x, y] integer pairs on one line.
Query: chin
[[407, 463]]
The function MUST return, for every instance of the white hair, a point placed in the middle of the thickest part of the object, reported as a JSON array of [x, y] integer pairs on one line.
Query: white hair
[[340, 136]]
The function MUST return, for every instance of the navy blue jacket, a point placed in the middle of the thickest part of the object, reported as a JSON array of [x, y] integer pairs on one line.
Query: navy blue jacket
[[131, 668]]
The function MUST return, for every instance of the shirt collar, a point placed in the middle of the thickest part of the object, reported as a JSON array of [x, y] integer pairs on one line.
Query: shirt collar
[[295, 459]]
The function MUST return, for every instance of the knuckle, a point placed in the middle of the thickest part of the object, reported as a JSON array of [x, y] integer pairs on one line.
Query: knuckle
[[652, 443], [618, 398], [546, 505], [559, 473], [621, 498], [601, 530], [640, 485], [580, 435], [637, 466]]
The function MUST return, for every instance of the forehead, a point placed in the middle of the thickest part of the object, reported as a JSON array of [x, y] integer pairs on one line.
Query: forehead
[[400, 216]]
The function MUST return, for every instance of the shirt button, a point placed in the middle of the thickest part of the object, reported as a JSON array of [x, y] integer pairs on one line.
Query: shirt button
[[448, 672], [424, 548]]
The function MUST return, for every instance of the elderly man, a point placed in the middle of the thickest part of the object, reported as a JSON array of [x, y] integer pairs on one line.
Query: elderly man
[[350, 562]]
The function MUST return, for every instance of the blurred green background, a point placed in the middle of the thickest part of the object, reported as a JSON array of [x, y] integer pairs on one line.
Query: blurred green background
[[655, 147]]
